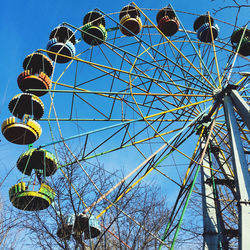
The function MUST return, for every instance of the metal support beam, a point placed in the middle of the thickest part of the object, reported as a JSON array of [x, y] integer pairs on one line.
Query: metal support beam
[[224, 167], [242, 176], [242, 107], [210, 223], [229, 179]]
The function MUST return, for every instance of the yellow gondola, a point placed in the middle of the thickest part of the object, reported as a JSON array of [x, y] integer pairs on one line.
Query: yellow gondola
[[22, 133], [24, 199]]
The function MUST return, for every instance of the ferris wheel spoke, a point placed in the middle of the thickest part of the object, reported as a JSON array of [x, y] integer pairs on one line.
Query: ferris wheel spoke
[[112, 95], [183, 191], [176, 99], [201, 75], [222, 136], [223, 161], [122, 146], [158, 68], [214, 50], [73, 96], [127, 145], [133, 185], [179, 57], [106, 93], [223, 128], [99, 66], [164, 56], [119, 48], [200, 59], [166, 86]]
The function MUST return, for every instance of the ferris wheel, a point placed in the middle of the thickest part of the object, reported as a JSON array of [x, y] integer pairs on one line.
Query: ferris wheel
[[142, 87]]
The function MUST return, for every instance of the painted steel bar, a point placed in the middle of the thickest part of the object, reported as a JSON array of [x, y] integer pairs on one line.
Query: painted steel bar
[[134, 86], [244, 137], [118, 93], [130, 83], [242, 79], [164, 90], [150, 27], [222, 238], [52, 97], [120, 147], [242, 107], [73, 97], [88, 133], [181, 189], [234, 60], [222, 127], [164, 56], [223, 165], [92, 181], [201, 75], [222, 158], [175, 109], [210, 222], [215, 55], [223, 139], [131, 91], [103, 95], [110, 96], [112, 120], [126, 72], [134, 184], [192, 185], [52, 106], [155, 165], [246, 87], [55, 83], [242, 175], [191, 42], [177, 58], [120, 124], [225, 69], [122, 181]]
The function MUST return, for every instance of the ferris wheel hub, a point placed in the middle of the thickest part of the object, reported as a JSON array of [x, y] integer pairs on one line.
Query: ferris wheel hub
[[217, 93]]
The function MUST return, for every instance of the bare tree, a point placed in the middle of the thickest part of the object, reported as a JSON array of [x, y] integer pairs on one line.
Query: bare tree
[[133, 222], [237, 5]]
